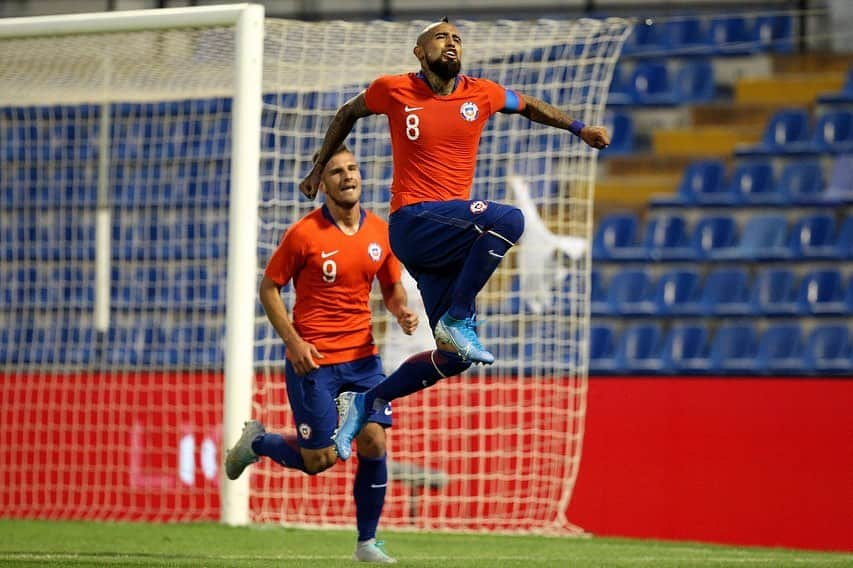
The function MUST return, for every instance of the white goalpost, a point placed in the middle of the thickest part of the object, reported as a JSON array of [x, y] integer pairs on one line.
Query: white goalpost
[[149, 163]]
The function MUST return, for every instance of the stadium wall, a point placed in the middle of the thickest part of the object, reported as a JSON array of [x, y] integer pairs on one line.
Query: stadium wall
[[747, 461]]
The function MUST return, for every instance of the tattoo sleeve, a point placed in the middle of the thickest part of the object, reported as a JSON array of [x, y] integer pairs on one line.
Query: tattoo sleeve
[[539, 111], [341, 126]]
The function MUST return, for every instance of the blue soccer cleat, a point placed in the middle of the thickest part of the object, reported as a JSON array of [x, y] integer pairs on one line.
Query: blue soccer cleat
[[351, 418], [461, 336]]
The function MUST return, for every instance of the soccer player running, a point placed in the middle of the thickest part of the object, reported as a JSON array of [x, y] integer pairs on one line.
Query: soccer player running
[[450, 244], [332, 256]]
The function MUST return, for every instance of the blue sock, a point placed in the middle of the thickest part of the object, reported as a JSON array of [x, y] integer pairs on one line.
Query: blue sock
[[414, 374], [282, 449], [482, 261], [371, 480]]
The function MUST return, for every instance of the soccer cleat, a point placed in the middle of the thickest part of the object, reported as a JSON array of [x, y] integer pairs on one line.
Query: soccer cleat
[[372, 551], [241, 455], [351, 418], [461, 335]]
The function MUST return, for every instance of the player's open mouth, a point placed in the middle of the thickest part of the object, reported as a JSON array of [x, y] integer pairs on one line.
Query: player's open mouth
[[451, 54]]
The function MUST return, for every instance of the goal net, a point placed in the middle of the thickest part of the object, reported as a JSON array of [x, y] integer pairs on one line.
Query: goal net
[[117, 238]]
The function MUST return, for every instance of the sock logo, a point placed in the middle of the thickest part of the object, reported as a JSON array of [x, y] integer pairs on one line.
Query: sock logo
[[304, 431]]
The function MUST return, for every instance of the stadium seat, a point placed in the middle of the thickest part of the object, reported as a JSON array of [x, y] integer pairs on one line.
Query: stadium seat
[[686, 36], [730, 35], [694, 83], [786, 133], [752, 183], [840, 187], [780, 350], [828, 349], [678, 293], [773, 33], [602, 349], [774, 293], [616, 238], [725, 293], [814, 237], [844, 96], [639, 349], [597, 296], [765, 237], [834, 133], [645, 40], [801, 183], [844, 242], [712, 236], [822, 293], [650, 84], [733, 349], [701, 178], [619, 92], [629, 293], [685, 350], [665, 238], [621, 127]]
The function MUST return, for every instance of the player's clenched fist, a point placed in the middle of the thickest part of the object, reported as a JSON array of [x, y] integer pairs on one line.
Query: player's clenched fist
[[408, 321], [309, 185], [595, 136]]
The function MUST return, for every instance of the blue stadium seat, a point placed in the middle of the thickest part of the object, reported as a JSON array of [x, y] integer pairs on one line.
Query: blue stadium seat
[[678, 293], [773, 33], [630, 293], [602, 349], [726, 293], [780, 350], [774, 293], [619, 92], [730, 35], [686, 36], [639, 349], [733, 349], [616, 238], [621, 127], [844, 96], [685, 350], [765, 237], [801, 183], [597, 296], [752, 182], [822, 293], [786, 133], [702, 177], [814, 237], [834, 133], [645, 40], [844, 242], [828, 349], [840, 187], [694, 83], [713, 235], [650, 84], [665, 238]]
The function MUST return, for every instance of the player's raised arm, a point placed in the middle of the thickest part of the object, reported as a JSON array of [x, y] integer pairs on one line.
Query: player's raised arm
[[539, 111], [336, 133]]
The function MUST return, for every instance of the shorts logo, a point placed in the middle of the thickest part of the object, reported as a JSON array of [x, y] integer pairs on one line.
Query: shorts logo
[[469, 111], [478, 206], [387, 410], [304, 431], [374, 251]]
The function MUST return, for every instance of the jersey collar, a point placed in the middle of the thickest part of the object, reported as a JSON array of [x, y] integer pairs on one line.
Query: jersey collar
[[422, 77], [328, 215]]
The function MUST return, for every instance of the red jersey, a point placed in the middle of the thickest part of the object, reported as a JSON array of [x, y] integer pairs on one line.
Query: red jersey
[[434, 138], [332, 274]]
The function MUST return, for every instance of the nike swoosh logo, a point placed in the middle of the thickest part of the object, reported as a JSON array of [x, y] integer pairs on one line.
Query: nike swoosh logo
[[325, 254], [387, 411], [407, 108], [493, 253], [378, 485]]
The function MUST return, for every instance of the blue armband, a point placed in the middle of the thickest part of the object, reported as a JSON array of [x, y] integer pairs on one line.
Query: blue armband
[[575, 127]]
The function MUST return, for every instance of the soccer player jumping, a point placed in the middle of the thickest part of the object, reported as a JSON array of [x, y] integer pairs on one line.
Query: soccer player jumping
[[450, 244]]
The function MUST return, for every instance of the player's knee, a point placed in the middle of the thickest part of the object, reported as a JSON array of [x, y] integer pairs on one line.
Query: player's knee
[[371, 441], [317, 461], [449, 364], [511, 225]]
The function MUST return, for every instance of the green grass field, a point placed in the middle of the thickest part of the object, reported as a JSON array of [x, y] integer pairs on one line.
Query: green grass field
[[45, 543]]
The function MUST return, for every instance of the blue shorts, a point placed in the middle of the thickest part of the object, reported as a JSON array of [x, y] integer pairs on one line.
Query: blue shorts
[[433, 239], [312, 397]]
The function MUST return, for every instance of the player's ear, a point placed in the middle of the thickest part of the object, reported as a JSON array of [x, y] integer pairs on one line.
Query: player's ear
[[418, 51]]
